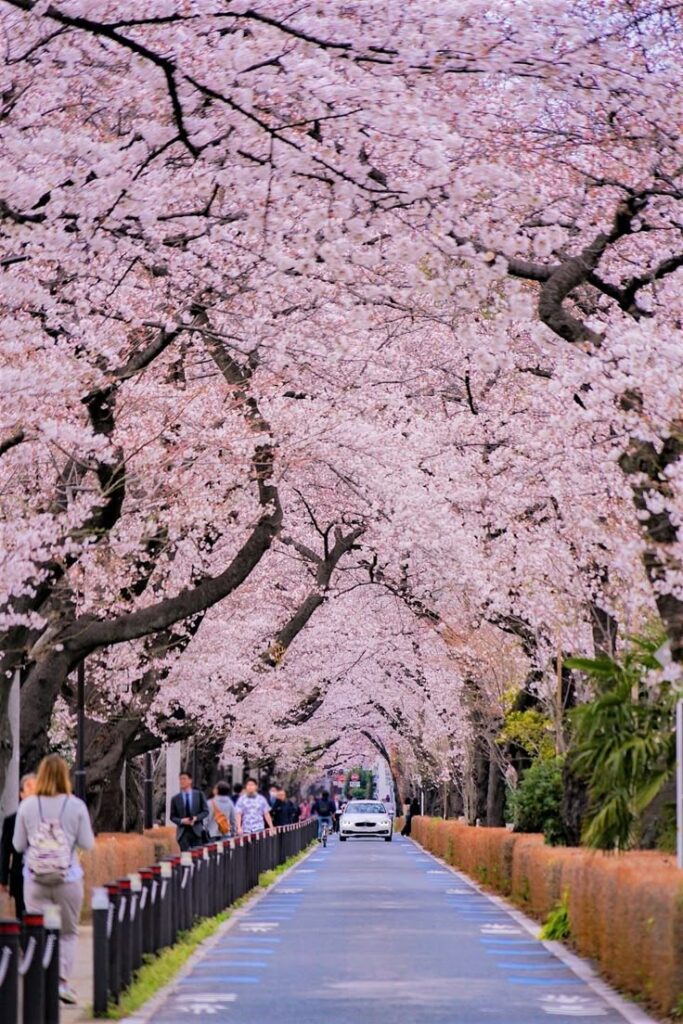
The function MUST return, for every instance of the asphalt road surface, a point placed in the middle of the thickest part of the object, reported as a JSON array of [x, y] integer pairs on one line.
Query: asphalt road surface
[[368, 932]]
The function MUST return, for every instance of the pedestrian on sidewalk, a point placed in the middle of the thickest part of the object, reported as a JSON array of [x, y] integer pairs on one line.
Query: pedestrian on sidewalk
[[283, 811], [221, 821], [11, 862], [52, 825], [296, 810], [252, 810], [413, 811], [304, 810], [189, 811]]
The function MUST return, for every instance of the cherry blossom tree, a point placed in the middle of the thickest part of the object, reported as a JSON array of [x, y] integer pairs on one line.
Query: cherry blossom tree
[[330, 348]]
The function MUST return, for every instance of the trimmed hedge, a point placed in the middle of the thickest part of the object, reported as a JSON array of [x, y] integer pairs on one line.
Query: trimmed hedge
[[115, 855], [625, 911]]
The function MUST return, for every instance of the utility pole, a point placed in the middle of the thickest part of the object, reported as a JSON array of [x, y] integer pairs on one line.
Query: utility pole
[[148, 789], [79, 774]]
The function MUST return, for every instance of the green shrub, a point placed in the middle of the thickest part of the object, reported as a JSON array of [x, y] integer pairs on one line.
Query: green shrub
[[557, 928], [623, 742], [535, 805]]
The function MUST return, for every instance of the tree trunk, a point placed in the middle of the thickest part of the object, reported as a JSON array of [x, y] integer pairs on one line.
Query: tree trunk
[[574, 805], [495, 797]]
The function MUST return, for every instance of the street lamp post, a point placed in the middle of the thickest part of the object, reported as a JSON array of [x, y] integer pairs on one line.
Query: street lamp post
[[79, 774], [149, 792]]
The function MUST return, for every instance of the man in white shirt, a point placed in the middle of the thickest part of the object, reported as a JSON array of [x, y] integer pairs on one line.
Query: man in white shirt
[[252, 810]]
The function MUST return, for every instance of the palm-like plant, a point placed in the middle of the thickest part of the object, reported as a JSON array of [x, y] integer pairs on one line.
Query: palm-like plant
[[623, 742]]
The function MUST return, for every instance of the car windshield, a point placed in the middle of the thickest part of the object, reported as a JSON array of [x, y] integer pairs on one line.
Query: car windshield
[[365, 807]]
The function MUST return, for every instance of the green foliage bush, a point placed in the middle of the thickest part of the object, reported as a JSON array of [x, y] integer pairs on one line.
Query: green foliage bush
[[623, 742], [534, 806], [557, 927]]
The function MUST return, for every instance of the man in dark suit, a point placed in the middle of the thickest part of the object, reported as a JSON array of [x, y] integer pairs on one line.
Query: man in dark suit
[[11, 862], [189, 811]]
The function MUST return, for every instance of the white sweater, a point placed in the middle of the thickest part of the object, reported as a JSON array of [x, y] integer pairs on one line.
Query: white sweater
[[75, 822]]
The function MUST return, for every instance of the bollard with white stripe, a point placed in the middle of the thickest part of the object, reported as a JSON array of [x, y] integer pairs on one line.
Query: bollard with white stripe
[[135, 921], [31, 969], [10, 932], [100, 924], [52, 924]]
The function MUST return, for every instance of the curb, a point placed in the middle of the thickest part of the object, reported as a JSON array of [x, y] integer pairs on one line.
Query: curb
[[631, 1013], [146, 1012]]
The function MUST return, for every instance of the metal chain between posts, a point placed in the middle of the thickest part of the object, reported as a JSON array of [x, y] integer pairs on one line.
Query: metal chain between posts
[[26, 960], [5, 961]]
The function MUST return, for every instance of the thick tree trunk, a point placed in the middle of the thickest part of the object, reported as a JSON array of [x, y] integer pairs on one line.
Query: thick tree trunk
[[574, 805], [495, 796]]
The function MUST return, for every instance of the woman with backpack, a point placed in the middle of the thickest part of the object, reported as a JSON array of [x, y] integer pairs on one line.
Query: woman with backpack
[[221, 820], [51, 826]]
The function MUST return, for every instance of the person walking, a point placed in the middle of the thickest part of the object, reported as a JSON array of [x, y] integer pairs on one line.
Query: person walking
[[221, 822], [189, 811], [11, 862], [252, 810], [296, 810], [305, 810], [412, 811], [51, 826], [283, 811]]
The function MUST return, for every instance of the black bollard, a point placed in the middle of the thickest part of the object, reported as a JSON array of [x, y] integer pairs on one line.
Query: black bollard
[[176, 908], [212, 887], [135, 921], [221, 896], [185, 891], [166, 895], [100, 937], [31, 969], [52, 924], [197, 881], [114, 944], [124, 932], [155, 894], [204, 887], [146, 877], [10, 933]]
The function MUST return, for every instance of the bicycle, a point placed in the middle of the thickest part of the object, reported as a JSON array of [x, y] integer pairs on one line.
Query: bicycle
[[324, 834]]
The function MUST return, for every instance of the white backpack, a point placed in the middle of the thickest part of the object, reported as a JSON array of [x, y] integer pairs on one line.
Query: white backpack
[[49, 854]]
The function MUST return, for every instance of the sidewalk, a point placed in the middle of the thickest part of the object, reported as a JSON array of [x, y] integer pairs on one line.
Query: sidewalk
[[81, 981]]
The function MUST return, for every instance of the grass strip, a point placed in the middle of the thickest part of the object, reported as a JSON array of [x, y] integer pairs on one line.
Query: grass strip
[[159, 969]]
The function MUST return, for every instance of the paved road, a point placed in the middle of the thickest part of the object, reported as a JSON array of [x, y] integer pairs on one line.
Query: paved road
[[376, 933]]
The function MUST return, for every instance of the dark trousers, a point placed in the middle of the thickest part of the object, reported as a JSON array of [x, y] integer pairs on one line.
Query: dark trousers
[[188, 839], [17, 893]]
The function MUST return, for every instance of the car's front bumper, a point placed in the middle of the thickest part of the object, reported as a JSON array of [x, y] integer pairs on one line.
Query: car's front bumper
[[353, 829]]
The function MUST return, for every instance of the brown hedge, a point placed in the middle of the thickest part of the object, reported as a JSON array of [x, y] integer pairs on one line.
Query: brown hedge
[[115, 855], [625, 911]]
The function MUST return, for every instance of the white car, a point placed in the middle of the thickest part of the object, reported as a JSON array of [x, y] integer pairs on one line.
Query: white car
[[366, 818]]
